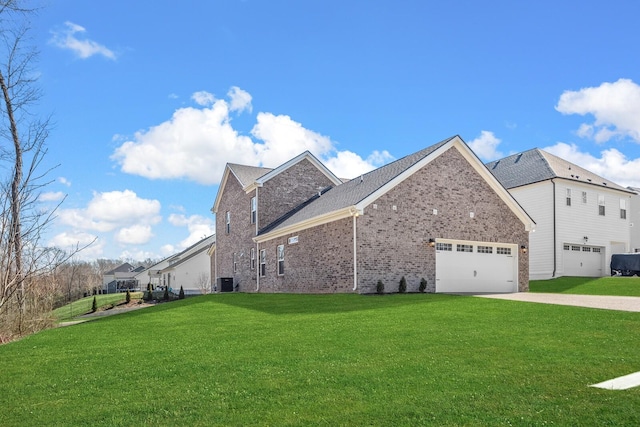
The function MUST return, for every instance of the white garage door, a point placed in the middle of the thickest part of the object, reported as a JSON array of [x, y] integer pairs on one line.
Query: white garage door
[[582, 261], [463, 266]]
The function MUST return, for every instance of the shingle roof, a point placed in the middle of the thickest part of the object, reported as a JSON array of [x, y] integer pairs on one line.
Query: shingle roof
[[537, 165], [351, 192], [247, 174]]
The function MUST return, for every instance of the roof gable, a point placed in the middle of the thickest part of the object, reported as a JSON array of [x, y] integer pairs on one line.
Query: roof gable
[[245, 175], [352, 197]]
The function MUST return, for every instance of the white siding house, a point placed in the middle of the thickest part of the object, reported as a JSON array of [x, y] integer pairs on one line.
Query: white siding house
[[152, 274], [581, 218], [190, 269]]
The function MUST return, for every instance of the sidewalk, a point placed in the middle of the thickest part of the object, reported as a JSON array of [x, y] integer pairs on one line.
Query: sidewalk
[[590, 301]]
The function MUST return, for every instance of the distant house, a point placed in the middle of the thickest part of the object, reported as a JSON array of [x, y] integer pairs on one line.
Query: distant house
[[437, 214], [189, 269], [581, 217], [152, 275], [121, 278]]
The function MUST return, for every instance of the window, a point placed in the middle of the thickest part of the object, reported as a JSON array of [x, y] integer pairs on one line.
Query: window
[[566, 247], [586, 249], [293, 240], [253, 258], [600, 205], [596, 250], [503, 251], [575, 248], [235, 263], [227, 217], [485, 250], [253, 210], [623, 209], [444, 247], [263, 262], [464, 248], [280, 252], [584, 197], [568, 197]]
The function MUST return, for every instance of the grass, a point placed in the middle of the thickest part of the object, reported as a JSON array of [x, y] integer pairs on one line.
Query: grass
[[621, 286], [83, 306], [289, 360]]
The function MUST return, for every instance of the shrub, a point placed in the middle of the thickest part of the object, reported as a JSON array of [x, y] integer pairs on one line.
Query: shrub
[[181, 294], [423, 285], [402, 288], [148, 296], [149, 287], [94, 305], [166, 293], [128, 297], [380, 287]]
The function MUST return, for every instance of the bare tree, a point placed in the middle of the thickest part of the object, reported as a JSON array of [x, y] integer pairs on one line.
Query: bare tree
[[24, 263], [203, 283]]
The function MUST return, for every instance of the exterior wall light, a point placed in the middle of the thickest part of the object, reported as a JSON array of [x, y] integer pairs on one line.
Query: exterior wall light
[[523, 249], [432, 243]]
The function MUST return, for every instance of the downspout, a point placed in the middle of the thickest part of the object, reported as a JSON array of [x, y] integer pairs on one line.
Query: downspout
[[355, 255], [555, 249], [257, 254]]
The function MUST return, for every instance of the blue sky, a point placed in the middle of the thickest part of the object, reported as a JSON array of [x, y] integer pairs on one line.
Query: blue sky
[[151, 99]]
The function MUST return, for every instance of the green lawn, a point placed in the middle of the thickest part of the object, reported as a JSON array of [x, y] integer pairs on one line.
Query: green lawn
[[83, 306], [395, 360], [622, 286]]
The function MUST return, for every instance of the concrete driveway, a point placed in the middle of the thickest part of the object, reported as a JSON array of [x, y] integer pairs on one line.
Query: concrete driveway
[[590, 301]]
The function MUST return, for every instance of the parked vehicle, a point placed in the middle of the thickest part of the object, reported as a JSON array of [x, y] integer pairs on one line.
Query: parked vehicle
[[625, 264]]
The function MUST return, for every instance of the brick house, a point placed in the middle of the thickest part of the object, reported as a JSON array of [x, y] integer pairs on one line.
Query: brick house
[[437, 214]]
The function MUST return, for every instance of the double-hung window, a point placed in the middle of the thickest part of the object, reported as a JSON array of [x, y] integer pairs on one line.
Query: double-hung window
[[568, 197], [235, 263], [227, 218], [623, 209], [263, 262], [254, 209], [280, 253], [601, 204], [253, 258]]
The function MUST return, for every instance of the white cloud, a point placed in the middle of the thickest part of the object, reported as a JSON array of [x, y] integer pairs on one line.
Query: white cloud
[[64, 181], [72, 241], [67, 38], [196, 143], [199, 227], [611, 164], [52, 196], [111, 210], [615, 106], [485, 146], [346, 164], [240, 100], [203, 98], [135, 235]]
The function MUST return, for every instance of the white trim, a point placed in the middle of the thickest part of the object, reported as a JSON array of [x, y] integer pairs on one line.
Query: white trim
[[309, 223]]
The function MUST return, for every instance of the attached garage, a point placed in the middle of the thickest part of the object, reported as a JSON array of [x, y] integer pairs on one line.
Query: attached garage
[[466, 266], [582, 260]]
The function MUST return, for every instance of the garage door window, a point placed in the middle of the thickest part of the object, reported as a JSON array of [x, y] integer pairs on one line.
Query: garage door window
[[575, 248], [485, 250], [464, 248], [586, 249], [503, 251], [444, 247]]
